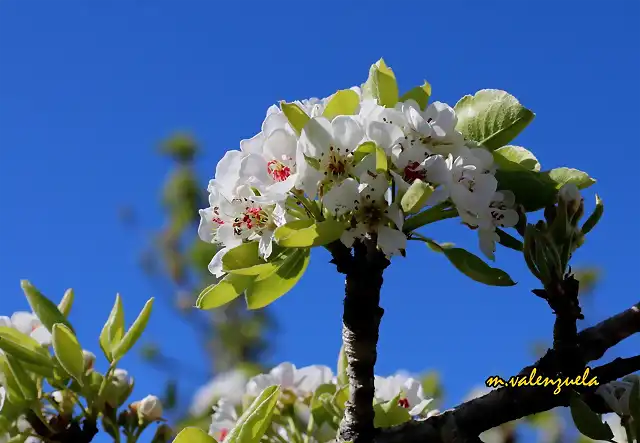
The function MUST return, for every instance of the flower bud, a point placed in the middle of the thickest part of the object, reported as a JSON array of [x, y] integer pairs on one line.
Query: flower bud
[[121, 378], [119, 388], [570, 195], [65, 402], [89, 360], [148, 409]]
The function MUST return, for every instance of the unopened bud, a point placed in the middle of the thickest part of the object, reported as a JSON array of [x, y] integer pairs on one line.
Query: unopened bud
[[570, 194], [119, 389], [121, 378], [65, 402], [89, 360], [148, 409]]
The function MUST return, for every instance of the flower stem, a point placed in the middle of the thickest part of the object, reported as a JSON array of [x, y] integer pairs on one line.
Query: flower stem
[[361, 321]]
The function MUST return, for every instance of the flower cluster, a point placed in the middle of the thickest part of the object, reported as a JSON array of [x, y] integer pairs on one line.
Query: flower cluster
[[349, 158], [300, 389]]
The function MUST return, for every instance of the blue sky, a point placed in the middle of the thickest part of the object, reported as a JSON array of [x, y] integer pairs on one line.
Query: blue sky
[[88, 90]]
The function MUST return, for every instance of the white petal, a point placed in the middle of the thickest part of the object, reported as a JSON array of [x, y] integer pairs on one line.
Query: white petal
[[253, 170], [347, 133], [24, 322], [418, 122], [280, 146], [401, 185], [384, 135], [265, 247], [350, 235], [437, 171], [207, 228], [5, 321], [488, 239], [275, 120], [421, 407], [285, 374], [252, 145], [391, 241], [316, 137], [215, 265], [394, 213], [309, 378], [41, 335], [259, 383], [343, 197], [440, 194]]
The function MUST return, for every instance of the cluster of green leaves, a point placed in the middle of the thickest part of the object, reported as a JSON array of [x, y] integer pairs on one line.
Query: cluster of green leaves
[[29, 372]]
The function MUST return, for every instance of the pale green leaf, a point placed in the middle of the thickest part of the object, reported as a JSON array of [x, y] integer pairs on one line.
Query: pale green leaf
[[295, 115], [390, 414], [253, 423], [381, 160], [416, 197], [23, 347], [113, 329], [193, 435], [363, 150], [420, 94], [308, 233], [381, 85], [267, 289], [67, 301], [506, 156], [322, 393], [245, 260], [134, 332], [473, 267], [344, 102], [588, 422], [562, 176], [223, 292], [68, 352], [18, 383], [491, 117], [43, 308]]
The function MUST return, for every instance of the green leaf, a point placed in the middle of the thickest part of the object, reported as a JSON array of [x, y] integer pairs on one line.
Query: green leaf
[[223, 292], [473, 267], [253, 423], [134, 332], [344, 102], [308, 233], [245, 260], [67, 301], [343, 379], [23, 347], [362, 151], [429, 215], [193, 435], [318, 410], [43, 308], [265, 290], [491, 117], [509, 241], [381, 160], [506, 156], [536, 190], [68, 352], [381, 85], [588, 422], [420, 94], [390, 414], [113, 329], [415, 197], [595, 216], [19, 385], [296, 116]]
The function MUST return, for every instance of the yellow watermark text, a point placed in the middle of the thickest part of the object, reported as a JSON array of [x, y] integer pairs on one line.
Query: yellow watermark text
[[537, 380]]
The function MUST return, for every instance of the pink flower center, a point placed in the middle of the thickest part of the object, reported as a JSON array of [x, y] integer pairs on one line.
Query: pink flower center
[[403, 403], [252, 218], [223, 434], [278, 171], [217, 218], [411, 172]]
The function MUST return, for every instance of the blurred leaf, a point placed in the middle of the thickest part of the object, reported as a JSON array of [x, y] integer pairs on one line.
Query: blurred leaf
[[420, 94], [223, 292], [67, 301], [253, 423], [381, 85], [193, 435], [43, 308], [113, 329], [68, 352], [318, 410], [588, 422], [295, 115], [431, 385], [134, 332], [181, 147], [23, 347]]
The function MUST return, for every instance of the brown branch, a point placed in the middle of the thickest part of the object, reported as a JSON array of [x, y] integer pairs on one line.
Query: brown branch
[[360, 325], [507, 404]]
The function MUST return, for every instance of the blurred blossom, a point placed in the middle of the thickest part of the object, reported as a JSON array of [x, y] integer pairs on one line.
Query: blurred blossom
[[230, 385]]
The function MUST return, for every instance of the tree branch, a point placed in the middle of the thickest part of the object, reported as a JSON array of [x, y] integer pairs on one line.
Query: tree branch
[[360, 325], [507, 404]]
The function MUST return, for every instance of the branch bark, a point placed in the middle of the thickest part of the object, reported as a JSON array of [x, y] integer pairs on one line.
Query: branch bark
[[507, 404], [360, 326]]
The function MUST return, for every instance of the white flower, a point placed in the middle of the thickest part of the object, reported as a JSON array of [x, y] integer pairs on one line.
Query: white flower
[[369, 204], [121, 379], [616, 394], [89, 359], [3, 395], [329, 145], [223, 420], [229, 385], [615, 423], [230, 222], [302, 382], [569, 192], [149, 408], [471, 189], [29, 324], [499, 214], [410, 390]]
